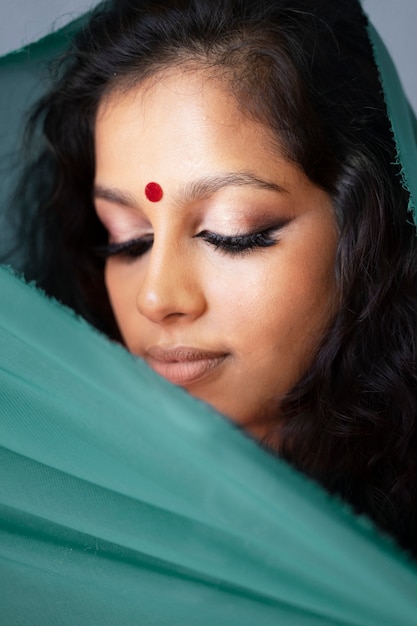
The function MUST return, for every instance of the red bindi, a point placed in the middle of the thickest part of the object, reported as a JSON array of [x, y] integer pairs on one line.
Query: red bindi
[[153, 191]]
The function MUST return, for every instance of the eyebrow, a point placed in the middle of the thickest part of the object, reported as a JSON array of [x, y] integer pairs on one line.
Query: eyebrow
[[207, 186], [114, 195], [195, 190]]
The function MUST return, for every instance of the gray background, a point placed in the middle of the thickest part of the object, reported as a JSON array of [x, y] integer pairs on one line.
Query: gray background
[[22, 21]]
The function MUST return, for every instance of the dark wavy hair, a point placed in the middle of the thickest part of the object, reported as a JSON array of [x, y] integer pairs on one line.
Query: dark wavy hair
[[305, 68]]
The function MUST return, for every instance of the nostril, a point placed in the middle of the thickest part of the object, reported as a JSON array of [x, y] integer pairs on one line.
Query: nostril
[[169, 302], [167, 288]]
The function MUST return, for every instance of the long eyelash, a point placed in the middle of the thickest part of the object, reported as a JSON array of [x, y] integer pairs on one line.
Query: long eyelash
[[230, 244], [237, 244], [131, 249]]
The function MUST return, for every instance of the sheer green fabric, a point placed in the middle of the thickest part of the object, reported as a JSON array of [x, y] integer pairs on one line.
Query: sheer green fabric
[[403, 120], [125, 501]]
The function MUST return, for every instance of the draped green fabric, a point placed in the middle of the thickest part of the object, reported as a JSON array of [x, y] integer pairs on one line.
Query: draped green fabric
[[125, 501], [403, 120]]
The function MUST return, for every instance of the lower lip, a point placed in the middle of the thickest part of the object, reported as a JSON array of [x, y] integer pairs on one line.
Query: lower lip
[[185, 372]]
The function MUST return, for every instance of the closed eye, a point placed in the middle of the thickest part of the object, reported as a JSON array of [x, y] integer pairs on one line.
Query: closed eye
[[229, 244], [241, 244], [131, 249]]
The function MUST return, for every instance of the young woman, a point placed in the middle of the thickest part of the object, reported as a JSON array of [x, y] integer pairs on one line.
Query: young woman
[[218, 189]]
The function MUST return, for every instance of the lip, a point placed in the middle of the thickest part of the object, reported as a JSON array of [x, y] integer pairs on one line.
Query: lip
[[183, 365]]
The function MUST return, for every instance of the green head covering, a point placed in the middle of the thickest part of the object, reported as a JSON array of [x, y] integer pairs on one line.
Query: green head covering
[[402, 117], [125, 501]]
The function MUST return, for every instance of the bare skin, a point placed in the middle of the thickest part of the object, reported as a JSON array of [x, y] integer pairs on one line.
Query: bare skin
[[225, 285]]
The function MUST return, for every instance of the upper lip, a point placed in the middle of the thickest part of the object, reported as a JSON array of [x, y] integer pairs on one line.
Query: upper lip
[[181, 354]]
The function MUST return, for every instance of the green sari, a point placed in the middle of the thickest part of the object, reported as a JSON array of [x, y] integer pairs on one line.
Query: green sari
[[125, 501]]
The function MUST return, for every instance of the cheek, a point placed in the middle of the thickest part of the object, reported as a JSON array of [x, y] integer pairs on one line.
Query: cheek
[[237, 301], [121, 292], [276, 298]]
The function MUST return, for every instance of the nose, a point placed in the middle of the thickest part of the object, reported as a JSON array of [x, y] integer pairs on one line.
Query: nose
[[171, 287]]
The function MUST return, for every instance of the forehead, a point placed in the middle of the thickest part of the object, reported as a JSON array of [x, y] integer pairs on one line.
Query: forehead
[[163, 94], [187, 118]]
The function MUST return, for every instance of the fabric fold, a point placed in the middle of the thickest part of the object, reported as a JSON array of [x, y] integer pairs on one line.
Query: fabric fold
[[91, 457]]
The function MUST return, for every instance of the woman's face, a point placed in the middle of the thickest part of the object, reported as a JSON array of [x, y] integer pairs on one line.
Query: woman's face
[[225, 285]]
